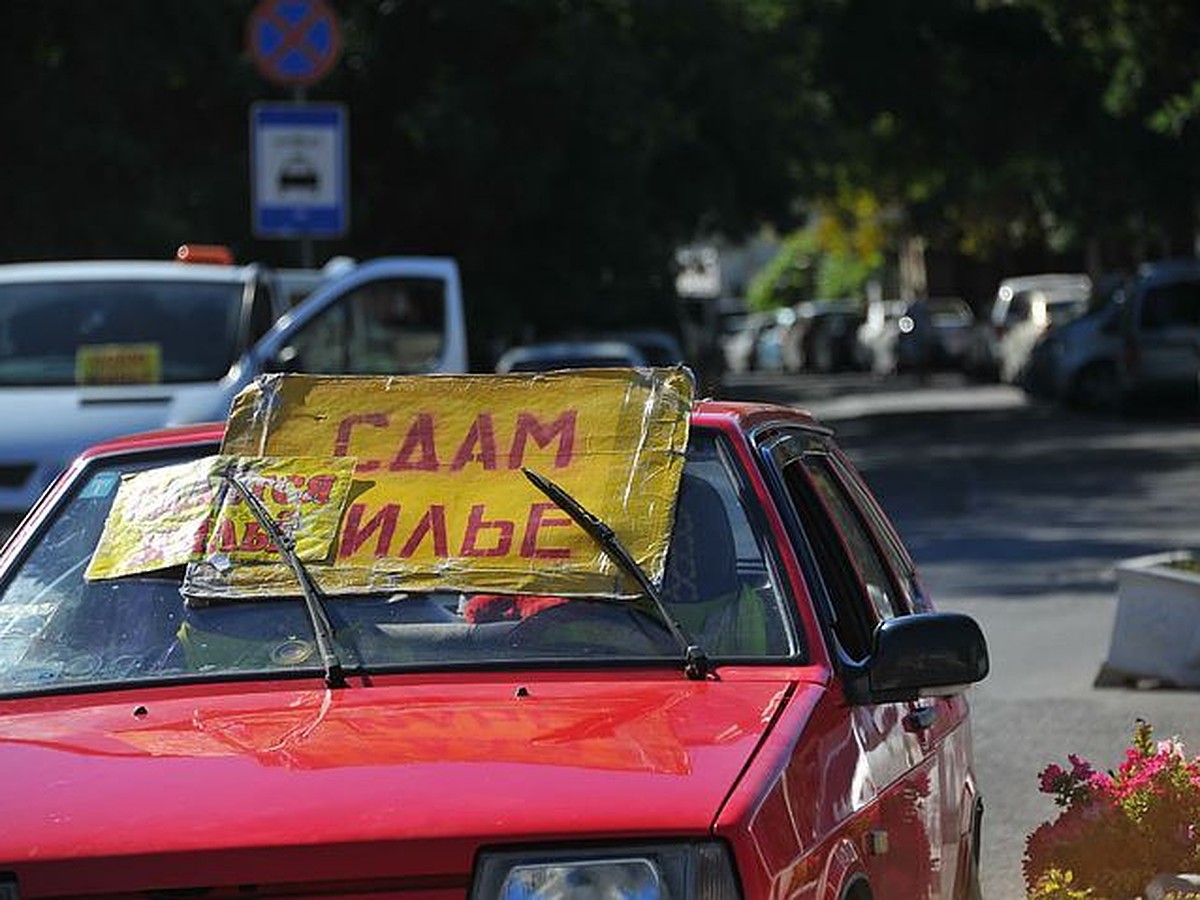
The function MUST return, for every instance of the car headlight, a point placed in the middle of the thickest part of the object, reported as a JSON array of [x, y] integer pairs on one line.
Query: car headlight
[[700, 871]]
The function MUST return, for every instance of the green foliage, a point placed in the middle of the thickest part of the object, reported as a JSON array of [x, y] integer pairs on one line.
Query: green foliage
[[560, 150], [1056, 884], [789, 277], [563, 150]]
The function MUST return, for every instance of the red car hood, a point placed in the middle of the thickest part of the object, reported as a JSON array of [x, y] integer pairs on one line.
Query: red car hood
[[403, 779]]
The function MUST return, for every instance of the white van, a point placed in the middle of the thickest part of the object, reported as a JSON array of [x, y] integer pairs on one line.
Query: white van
[[92, 350]]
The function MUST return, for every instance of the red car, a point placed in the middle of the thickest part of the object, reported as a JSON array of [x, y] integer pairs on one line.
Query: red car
[[809, 738]]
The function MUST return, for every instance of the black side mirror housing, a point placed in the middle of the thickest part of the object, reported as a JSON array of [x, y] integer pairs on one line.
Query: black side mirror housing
[[924, 655]]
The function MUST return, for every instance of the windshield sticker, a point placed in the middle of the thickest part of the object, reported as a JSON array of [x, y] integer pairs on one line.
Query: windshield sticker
[[100, 486], [118, 364], [188, 513], [440, 500]]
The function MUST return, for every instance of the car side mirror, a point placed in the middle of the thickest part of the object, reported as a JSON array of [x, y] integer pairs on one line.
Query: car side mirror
[[925, 655]]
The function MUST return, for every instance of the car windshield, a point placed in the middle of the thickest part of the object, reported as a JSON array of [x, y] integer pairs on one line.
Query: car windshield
[[105, 332], [59, 631]]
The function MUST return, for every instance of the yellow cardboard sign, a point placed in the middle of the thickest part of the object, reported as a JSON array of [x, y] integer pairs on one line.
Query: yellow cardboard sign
[[118, 364], [440, 500], [174, 515]]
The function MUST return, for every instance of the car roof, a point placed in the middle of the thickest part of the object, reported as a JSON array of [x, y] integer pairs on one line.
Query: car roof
[[1046, 280], [178, 436], [122, 270], [726, 414], [565, 352], [1169, 270]]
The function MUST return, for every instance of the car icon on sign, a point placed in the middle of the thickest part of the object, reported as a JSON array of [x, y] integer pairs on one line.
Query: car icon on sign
[[297, 174]]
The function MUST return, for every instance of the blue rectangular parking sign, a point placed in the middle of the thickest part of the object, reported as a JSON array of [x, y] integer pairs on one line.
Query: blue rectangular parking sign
[[299, 170]]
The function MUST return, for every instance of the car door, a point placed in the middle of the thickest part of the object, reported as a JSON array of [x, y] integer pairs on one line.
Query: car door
[[1168, 332], [388, 316], [860, 589], [939, 723]]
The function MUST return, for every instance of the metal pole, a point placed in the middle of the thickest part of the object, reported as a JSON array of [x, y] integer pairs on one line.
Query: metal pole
[[307, 256]]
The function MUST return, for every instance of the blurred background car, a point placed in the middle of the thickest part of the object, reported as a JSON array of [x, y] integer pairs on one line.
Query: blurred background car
[[575, 354], [876, 338], [94, 348], [1001, 341], [297, 283], [775, 347], [933, 334], [1075, 363], [741, 338], [658, 348], [828, 334], [1160, 335]]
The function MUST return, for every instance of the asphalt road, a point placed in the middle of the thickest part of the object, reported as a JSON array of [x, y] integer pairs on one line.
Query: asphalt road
[[1016, 514]]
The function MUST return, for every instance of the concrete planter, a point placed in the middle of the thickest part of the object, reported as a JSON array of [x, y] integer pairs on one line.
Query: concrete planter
[[1156, 632]]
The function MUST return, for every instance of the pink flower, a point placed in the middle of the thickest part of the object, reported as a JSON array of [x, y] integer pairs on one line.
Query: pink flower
[[1117, 829], [1051, 777], [1081, 769]]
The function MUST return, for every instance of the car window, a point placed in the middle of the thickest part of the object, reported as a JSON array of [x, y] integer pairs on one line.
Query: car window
[[863, 554], [861, 590], [189, 329], [1171, 305], [1019, 308], [385, 327], [59, 631], [911, 595]]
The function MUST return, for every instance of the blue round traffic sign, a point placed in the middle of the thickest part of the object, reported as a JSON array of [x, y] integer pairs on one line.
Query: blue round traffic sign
[[294, 42]]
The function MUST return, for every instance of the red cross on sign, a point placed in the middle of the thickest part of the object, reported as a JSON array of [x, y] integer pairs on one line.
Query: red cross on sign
[[294, 42]]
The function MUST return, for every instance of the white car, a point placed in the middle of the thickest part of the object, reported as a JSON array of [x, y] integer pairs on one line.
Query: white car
[[1024, 308], [90, 350]]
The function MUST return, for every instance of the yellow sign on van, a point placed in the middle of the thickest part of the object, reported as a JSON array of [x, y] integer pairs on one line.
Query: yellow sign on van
[[174, 515], [440, 499], [118, 364]]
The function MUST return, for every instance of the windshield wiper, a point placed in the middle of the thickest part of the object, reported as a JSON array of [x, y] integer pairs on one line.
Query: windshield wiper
[[323, 629], [695, 662]]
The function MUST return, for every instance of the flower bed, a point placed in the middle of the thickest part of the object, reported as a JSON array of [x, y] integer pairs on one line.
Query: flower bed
[[1117, 830]]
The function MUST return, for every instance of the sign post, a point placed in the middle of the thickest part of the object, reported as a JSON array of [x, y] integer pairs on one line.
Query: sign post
[[299, 171]]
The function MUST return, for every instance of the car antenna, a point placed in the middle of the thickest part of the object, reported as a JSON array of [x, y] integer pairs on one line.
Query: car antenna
[[323, 629], [695, 664]]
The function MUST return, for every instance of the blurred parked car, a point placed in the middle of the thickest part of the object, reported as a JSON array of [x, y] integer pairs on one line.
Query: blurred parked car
[[1160, 334], [780, 711], [741, 339], [93, 349], [933, 334], [658, 348], [581, 354], [877, 336], [828, 333], [296, 284], [1024, 307], [775, 342], [1076, 363]]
